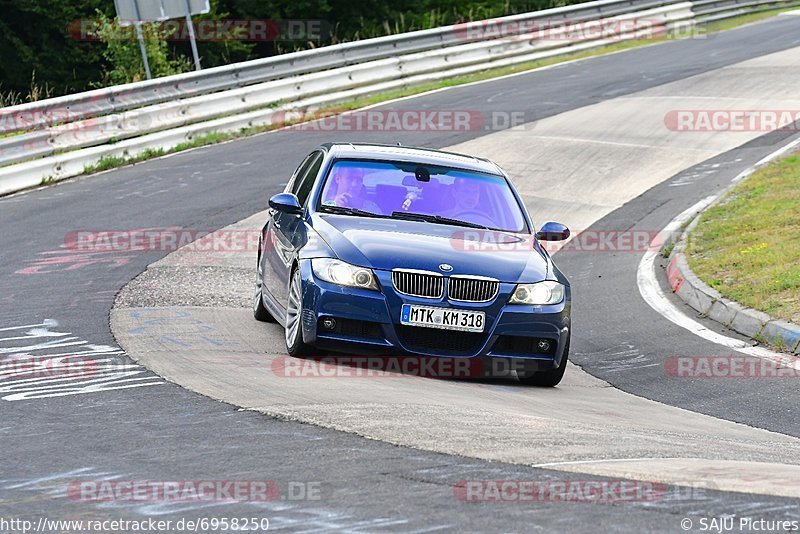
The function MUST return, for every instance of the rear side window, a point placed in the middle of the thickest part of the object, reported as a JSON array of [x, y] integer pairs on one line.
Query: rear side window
[[305, 178]]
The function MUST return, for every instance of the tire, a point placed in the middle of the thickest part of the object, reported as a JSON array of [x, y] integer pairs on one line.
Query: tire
[[259, 310], [549, 378], [295, 345]]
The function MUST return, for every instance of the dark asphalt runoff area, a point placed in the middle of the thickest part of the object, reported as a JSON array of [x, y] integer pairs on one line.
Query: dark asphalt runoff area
[[161, 432], [622, 340]]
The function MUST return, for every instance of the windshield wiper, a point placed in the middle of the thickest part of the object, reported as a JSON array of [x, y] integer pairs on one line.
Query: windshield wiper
[[343, 210], [435, 219]]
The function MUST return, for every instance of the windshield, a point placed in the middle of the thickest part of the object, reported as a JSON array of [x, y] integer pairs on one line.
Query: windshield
[[433, 193]]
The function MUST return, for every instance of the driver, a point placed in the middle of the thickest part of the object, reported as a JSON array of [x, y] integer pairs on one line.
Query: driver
[[350, 190], [466, 194]]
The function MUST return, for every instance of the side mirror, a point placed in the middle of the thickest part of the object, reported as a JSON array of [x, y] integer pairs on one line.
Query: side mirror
[[286, 203], [552, 231]]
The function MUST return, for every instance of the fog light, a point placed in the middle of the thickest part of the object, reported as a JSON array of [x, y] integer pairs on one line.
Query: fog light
[[329, 323], [543, 345]]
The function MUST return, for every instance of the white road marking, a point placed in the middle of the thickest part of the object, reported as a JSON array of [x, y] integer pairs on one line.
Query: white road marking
[[30, 371], [47, 322], [609, 143], [606, 460]]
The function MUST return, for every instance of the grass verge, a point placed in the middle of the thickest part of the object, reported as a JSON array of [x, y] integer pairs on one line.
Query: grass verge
[[747, 247], [111, 162]]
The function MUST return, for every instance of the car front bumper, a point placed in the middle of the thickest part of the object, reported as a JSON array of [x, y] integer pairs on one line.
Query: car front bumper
[[368, 322]]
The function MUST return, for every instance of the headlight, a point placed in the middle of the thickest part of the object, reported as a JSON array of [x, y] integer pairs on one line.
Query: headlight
[[538, 294], [343, 274]]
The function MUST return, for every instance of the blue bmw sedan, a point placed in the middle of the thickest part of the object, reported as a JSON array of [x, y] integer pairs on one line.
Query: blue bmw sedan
[[376, 249]]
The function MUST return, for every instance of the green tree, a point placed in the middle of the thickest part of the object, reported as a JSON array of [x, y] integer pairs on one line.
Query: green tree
[[35, 37], [124, 54]]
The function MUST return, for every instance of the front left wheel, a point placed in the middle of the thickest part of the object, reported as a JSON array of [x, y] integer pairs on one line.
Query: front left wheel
[[295, 345]]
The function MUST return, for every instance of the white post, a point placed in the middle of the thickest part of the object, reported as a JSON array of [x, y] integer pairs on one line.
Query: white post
[[191, 35], [142, 47]]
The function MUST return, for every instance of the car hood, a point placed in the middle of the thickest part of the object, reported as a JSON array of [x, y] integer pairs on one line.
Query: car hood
[[390, 244]]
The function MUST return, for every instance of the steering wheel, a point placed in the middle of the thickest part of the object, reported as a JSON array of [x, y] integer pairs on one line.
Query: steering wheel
[[479, 217]]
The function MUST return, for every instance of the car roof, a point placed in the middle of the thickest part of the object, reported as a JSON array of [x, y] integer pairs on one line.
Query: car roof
[[427, 156]]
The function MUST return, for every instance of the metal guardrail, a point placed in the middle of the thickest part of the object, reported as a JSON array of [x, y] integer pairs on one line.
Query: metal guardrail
[[713, 10], [68, 133], [36, 115], [117, 126]]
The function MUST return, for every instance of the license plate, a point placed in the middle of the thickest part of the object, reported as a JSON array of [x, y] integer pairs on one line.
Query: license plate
[[445, 318]]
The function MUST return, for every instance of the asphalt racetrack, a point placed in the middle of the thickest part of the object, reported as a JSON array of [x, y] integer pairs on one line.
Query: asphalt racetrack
[[187, 387]]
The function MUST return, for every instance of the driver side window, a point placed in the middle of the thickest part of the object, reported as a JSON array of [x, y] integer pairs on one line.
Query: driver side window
[[298, 172], [305, 178]]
